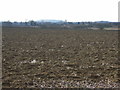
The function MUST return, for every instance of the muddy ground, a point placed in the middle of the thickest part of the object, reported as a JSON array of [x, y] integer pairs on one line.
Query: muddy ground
[[34, 57]]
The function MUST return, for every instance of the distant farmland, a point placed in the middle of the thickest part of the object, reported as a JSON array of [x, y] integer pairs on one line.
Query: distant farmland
[[42, 58]]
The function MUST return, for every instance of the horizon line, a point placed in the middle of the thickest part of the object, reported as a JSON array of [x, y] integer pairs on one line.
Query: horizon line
[[55, 20]]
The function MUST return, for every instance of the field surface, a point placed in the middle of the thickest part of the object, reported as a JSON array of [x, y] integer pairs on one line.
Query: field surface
[[34, 57]]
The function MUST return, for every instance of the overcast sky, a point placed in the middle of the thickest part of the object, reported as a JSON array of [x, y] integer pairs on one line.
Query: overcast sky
[[70, 10]]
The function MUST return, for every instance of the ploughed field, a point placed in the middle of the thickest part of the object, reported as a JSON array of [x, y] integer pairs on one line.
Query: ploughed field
[[34, 57]]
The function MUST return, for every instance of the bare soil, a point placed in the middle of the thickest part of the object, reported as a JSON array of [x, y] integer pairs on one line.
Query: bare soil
[[46, 58]]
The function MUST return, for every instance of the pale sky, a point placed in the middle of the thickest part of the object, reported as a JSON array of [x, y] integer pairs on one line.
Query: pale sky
[[70, 10]]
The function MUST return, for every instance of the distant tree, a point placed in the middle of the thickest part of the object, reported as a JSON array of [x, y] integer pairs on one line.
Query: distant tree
[[78, 22], [103, 25], [70, 22], [7, 23], [32, 23], [26, 23]]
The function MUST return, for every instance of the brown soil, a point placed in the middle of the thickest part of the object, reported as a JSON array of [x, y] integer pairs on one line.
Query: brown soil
[[34, 57]]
